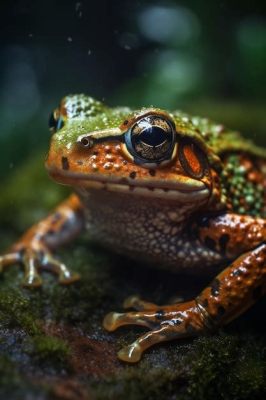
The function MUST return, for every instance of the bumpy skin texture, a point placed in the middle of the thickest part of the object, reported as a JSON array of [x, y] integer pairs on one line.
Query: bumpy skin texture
[[177, 191]]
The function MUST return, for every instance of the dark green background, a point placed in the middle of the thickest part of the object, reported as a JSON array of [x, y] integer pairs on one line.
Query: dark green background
[[207, 57]]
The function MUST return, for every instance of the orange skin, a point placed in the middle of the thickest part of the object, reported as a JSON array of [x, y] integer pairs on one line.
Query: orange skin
[[187, 187]]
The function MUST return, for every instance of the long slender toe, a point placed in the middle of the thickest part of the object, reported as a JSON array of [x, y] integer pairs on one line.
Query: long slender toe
[[131, 353], [67, 279], [110, 321], [33, 281]]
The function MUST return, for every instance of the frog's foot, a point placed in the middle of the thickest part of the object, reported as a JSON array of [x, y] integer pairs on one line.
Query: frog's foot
[[33, 260], [166, 323]]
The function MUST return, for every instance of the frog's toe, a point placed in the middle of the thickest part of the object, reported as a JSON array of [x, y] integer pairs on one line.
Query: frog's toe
[[33, 281], [68, 278], [65, 276], [9, 259], [114, 320], [133, 352], [138, 304], [34, 259], [29, 261], [110, 321]]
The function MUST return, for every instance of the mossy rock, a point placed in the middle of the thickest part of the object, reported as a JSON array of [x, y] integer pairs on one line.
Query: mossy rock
[[52, 344]]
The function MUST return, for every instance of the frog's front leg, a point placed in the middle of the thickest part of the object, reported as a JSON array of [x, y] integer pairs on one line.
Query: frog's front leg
[[34, 249], [232, 292]]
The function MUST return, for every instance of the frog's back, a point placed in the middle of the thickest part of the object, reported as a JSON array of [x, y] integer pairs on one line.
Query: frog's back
[[240, 164], [219, 138]]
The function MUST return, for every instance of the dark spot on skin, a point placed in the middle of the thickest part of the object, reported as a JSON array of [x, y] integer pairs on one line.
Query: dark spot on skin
[[204, 222], [123, 181], [159, 314], [41, 254], [205, 303], [80, 162], [257, 293], [95, 153], [215, 287], [56, 217], [22, 251], [190, 329], [64, 226], [152, 172], [166, 190], [237, 272], [220, 311], [224, 239], [65, 163], [210, 243], [126, 122], [133, 174], [50, 232]]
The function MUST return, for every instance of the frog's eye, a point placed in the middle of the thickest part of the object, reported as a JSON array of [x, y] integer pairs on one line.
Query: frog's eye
[[55, 122], [151, 140], [192, 159]]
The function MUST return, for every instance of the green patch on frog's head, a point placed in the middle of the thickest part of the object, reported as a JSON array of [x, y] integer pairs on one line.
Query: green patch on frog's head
[[74, 107], [148, 152]]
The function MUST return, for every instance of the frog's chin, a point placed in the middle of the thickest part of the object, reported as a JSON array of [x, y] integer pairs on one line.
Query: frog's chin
[[183, 189]]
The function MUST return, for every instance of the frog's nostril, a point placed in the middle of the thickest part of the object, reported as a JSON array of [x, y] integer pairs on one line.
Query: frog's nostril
[[85, 141]]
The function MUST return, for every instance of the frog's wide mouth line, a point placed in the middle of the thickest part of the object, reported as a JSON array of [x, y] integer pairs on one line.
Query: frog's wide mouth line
[[183, 189]]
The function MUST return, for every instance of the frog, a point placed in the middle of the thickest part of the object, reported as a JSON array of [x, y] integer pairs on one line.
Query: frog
[[175, 191]]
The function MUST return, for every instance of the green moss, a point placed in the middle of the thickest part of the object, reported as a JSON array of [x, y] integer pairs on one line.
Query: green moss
[[217, 367], [50, 349], [16, 311], [223, 363]]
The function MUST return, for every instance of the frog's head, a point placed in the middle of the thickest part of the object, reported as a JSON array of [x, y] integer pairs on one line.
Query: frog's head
[[148, 152]]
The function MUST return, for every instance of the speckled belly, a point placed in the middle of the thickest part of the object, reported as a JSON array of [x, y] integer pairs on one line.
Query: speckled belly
[[144, 229]]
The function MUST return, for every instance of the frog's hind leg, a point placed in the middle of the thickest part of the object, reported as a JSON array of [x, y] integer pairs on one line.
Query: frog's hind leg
[[231, 293]]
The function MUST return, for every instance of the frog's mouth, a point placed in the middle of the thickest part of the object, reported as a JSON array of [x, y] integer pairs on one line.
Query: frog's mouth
[[183, 189]]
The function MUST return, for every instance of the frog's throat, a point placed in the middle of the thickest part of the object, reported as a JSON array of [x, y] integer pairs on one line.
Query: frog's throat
[[184, 190]]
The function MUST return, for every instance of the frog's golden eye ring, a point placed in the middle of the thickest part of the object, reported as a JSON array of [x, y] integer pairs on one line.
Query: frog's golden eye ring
[[151, 140], [55, 122], [192, 159]]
